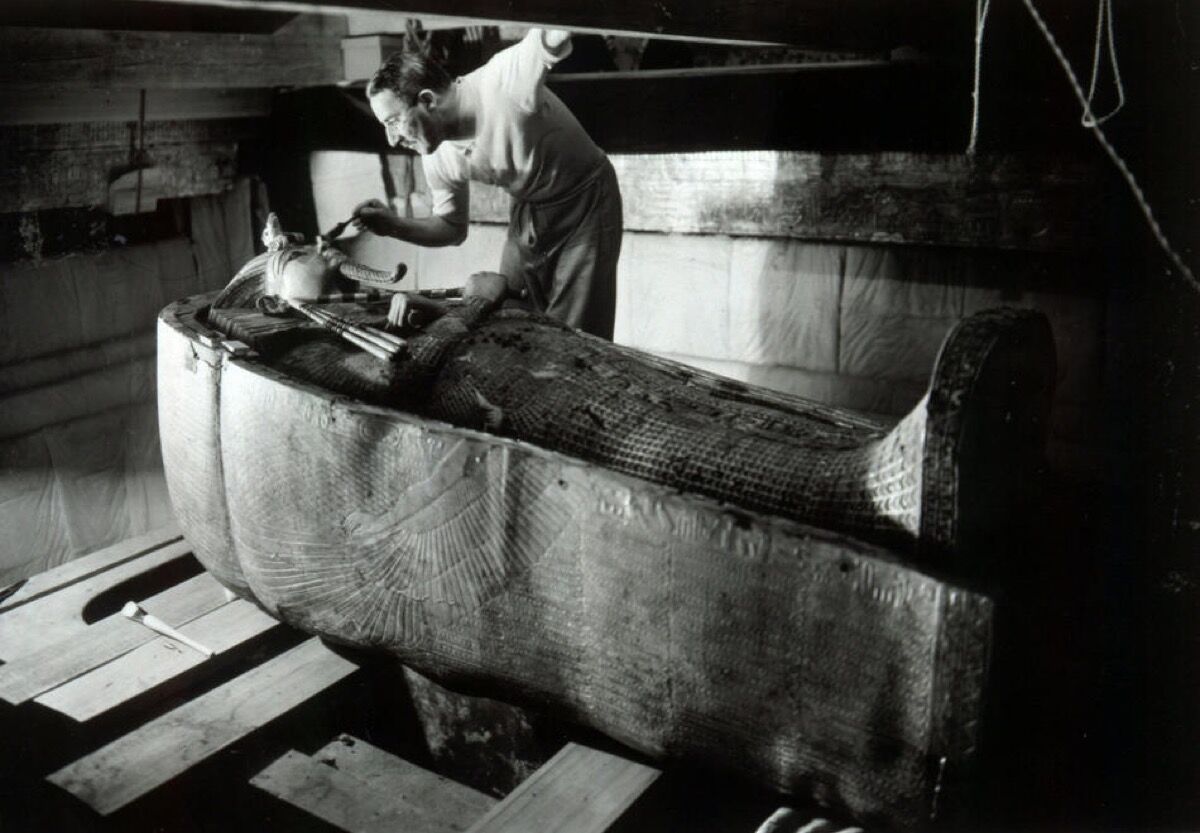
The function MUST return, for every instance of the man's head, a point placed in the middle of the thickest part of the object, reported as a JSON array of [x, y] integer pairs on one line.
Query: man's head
[[407, 95]]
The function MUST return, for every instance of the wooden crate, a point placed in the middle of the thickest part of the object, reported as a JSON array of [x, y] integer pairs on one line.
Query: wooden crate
[[119, 728]]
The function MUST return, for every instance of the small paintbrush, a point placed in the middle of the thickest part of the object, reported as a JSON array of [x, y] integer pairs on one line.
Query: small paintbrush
[[336, 231]]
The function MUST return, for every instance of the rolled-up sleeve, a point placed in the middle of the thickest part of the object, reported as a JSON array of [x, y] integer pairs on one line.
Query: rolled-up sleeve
[[449, 194]]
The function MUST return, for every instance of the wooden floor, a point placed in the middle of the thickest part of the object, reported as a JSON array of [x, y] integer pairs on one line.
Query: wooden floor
[[111, 726]]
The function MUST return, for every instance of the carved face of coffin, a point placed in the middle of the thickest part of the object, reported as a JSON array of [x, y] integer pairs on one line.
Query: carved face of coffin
[[299, 274]]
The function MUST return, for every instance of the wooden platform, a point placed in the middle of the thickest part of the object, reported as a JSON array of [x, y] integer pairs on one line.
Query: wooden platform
[[118, 728]]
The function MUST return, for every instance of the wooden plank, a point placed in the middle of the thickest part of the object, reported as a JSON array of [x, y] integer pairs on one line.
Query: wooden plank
[[80, 177], [62, 165], [43, 104], [33, 673], [824, 67], [86, 58], [154, 16], [361, 56], [42, 138], [339, 797], [334, 797], [1007, 202], [827, 24], [393, 775], [133, 765], [360, 22], [52, 617], [157, 662], [85, 567], [581, 790]]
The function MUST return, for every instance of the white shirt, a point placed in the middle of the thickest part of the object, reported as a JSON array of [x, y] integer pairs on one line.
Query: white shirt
[[526, 140]]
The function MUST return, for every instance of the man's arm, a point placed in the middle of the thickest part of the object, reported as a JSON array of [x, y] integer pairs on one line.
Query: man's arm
[[374, 216], [522, 67]]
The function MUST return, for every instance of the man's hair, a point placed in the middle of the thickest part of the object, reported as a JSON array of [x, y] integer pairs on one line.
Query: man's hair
[[407, 72]]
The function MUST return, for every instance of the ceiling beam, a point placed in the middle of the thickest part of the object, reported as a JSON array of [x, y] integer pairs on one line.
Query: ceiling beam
[[139, 14], [861, 25], [39, 104], [86, 58]]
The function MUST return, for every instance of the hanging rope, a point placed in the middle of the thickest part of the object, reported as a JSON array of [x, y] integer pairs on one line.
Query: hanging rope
[[1104, 14], [1094, 126], [981, 10]]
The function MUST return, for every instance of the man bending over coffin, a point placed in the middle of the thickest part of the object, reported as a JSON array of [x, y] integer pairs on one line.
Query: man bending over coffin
[[500, 125]]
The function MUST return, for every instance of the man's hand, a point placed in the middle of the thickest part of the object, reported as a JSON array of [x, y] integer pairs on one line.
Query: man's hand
[[396, 311], [376, 217], [490, 285], [412, 311]]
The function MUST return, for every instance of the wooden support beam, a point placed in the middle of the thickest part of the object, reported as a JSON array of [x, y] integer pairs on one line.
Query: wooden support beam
[[868, 25], [80, 178], [38, 104], [56, 166], [994, 201], [1038, 203], [19, 139], [83, 58], [150, 16]]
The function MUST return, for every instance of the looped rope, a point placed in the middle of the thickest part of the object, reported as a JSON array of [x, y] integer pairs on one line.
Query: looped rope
[[1094, 126], [1104, 14]]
